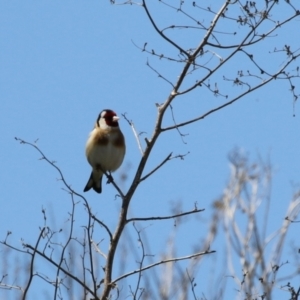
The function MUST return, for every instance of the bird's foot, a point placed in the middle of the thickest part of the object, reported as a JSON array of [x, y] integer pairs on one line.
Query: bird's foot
[[109, 178]]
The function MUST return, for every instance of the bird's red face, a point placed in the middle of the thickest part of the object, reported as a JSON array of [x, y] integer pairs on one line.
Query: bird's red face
[[109, 118]]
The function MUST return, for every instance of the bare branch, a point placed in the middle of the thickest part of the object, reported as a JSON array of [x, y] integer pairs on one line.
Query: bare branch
[[103, 225], [163, 262], [160, 56], [155, 169], [161, 33], [141, 262], [173, 117], [111, 180], [135, 133], [195, 210], [60, 268], [75, 193], [31, 264], [192, 284], [62, 256], [275, 76], [159, 75]]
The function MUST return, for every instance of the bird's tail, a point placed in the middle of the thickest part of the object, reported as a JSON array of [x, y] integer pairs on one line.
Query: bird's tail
[[93, 183]]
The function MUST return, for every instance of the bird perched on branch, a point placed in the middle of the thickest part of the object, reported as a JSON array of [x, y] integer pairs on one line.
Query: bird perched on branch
[[105, 148]]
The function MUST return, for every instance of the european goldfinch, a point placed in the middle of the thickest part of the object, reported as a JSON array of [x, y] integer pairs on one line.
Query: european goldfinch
[[105, 148]]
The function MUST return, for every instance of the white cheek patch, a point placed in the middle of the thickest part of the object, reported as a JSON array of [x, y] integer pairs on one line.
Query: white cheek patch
[[102, 123], [103, 114]]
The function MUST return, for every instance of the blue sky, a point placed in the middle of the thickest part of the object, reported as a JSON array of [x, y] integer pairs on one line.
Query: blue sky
[[61, 63]]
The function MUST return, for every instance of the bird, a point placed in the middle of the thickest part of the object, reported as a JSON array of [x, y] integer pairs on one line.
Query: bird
[[105, 148]]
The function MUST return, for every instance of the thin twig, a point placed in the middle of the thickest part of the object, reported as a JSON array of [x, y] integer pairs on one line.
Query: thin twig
[[75, 193], [156, 168], [65, 245], [163, 262], [61, 268], [97, 249], [159, 75], [192, 284], [102, 224], [179, 132], [141, 262], [231, 101], [135, 133], [196, 210], [160, 32], [31, 264]]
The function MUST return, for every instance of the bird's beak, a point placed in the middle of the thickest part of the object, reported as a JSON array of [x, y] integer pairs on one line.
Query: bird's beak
[[115, 118]]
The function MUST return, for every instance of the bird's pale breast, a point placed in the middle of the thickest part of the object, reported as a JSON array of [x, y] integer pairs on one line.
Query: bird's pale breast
[[105, 148]]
